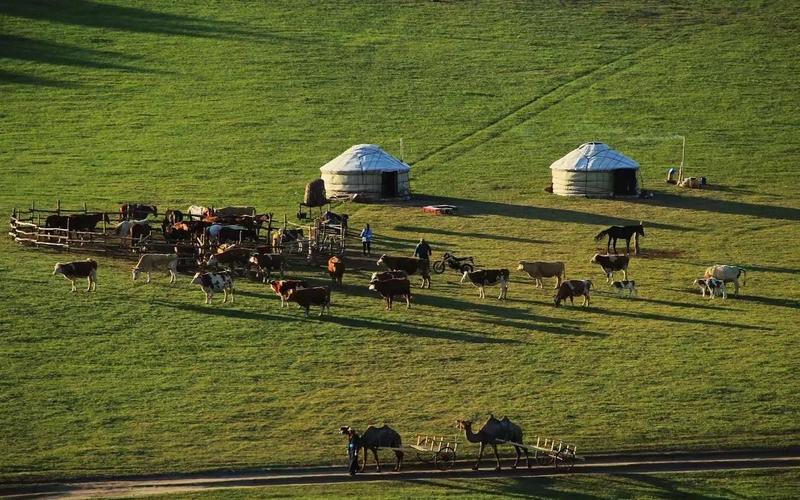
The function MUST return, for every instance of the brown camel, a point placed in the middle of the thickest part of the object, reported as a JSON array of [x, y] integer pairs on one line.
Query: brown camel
[[495, 432], [378, 437]]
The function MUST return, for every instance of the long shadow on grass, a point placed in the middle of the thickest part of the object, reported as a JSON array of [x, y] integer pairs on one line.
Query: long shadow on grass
[[674, 319], [91, 14], [39, 51], [461, 306], [770, 301], [478, 207], [532, 325], [492, 236], [220, 309], [419, 331], [708, 204], [9, 77], [682, 305]]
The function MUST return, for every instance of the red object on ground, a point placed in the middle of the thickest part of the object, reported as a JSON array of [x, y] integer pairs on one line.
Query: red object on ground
[[440, 209]]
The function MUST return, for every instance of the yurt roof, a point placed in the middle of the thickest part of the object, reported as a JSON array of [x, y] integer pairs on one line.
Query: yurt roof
[[595, 157], [364, 158]]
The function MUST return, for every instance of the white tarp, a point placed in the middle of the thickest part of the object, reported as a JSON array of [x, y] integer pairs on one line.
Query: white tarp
[[364, 158], [594, 157]]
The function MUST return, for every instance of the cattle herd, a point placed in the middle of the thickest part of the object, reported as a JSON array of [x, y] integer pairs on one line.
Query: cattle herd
[[217, 271]]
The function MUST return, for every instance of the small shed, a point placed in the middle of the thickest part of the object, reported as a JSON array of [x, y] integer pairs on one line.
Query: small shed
[[594, 169], [365, 172]]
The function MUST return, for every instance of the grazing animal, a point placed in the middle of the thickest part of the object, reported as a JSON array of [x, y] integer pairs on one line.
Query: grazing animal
[[391, 288], [728, 274], [230, 258], [570, 288], [78, 269], [611, 263], [713, 285], [487, 277], [136, 211], [621, 286], [282, 288], [57, 221], [336, 270], [495, 432], [374, 438], [410, 265], [538, 270], [212, 283], [150, 262], [86, 222], [268, 262], [387, 275], [307, 297], [621, 232]]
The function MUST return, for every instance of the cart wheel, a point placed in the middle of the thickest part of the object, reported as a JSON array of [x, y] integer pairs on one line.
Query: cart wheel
[[543, 458], [565, 460], [424, 458], [467, 268], [438, 267], [445, 458]]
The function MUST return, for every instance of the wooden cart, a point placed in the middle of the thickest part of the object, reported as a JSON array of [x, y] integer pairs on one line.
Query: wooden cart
[[436, 450], [549, 451]]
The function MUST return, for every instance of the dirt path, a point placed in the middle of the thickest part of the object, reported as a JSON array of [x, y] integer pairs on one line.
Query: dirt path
[[641, 463]]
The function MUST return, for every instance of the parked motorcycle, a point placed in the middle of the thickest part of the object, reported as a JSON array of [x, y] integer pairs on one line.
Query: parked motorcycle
[[460, 264]]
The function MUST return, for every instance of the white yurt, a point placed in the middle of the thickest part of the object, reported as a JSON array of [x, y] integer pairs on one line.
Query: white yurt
[[594, 169], [366, 172]]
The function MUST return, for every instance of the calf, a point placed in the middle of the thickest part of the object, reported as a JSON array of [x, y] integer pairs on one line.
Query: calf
[[214, 283], [487, 277], [727, 274], [387, 275], [78, 269], [150, 262], [570, 288], [283, 287], [336, 270], [268, 262], [393, 287], [230, 258], [307, 297], [611, 263], [538, 270], [713, 285], [410, 265], [621, 286]]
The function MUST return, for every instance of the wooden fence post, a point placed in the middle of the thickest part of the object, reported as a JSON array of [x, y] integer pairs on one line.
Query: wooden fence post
[[58, 207], [84, 207]]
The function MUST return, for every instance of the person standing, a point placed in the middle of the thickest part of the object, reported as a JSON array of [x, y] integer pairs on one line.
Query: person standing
[[423, 250], [366, 240]]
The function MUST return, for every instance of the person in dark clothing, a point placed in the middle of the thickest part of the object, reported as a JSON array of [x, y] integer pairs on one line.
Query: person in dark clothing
[[352, 448], [423, 250]]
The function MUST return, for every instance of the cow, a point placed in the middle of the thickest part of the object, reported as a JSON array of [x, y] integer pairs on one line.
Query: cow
[[124, 227], [307, 297], [539, 269], [57, 221], [611, 263], [336, 270], [387, 275], [621, 286], [410, 265], [150, 262], [176, 233], [78, 269], [230, 258], [212, 283], [197, 212], [268, 262], [234, 211], [86, 222], [282, 288], [391, 288], [570, 288], [713, 285], [139, 232], [136, 211], [728, 274], [488, 277]]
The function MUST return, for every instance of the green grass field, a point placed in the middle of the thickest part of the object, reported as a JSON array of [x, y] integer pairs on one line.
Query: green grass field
[[241, 103]]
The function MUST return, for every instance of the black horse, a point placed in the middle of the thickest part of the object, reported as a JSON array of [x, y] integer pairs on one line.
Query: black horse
[[621, 232]]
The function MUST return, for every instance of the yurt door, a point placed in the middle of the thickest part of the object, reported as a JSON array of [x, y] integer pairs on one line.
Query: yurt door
[[389, 184], [625, 182]]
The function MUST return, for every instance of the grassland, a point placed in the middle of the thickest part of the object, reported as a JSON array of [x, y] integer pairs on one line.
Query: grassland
[[212, 102]]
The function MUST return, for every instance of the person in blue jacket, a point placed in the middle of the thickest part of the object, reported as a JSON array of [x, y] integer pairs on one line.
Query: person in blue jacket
[[366, 240]]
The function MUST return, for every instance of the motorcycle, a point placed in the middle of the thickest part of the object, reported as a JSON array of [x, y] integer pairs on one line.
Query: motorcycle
[[460, 264]]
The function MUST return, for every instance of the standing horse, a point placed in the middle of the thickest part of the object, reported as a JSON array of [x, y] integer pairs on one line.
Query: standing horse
[[621, 232]]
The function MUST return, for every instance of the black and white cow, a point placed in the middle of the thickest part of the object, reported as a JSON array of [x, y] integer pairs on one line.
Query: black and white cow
[[78, 269], [487, 277], [621, 286], [214, 283], [713, 286], [611, 263]]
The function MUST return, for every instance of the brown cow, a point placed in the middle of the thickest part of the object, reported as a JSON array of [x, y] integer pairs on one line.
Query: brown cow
[[410, 265], [392, 287], [78, 269], [230, 258], [282, 288], [307, 297], [570, 288], [336, 270]]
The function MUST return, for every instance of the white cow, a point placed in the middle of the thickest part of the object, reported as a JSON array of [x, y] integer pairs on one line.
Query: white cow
[[150, 262], [727, 274]]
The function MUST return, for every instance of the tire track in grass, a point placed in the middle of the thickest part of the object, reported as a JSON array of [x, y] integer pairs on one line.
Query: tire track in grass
[[530, 109]]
